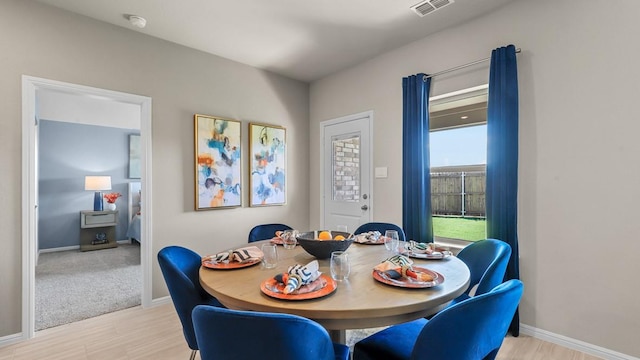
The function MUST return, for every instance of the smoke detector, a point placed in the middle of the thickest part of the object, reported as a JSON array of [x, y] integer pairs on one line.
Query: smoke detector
[[137, 21], [427, 7]]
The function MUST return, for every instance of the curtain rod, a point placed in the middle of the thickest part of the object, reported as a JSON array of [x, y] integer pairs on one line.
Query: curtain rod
[[461, 67]]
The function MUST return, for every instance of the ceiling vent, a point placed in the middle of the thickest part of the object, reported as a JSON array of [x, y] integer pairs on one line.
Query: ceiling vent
[[427, 7]]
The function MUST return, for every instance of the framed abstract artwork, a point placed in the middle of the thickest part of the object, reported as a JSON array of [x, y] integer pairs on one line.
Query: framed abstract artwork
[[218, 176], [268, 161]]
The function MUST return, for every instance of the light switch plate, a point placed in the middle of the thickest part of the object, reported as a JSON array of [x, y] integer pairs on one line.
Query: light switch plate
[[381, 172]]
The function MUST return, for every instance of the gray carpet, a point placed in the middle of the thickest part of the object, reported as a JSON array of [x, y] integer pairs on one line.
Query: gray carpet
[[73, 285], [353, 336]]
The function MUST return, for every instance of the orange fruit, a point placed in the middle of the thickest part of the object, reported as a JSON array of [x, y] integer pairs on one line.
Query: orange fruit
[[339, 237], [324, 235]]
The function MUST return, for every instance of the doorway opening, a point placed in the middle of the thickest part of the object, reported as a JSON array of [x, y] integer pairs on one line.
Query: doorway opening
[[32, 87]]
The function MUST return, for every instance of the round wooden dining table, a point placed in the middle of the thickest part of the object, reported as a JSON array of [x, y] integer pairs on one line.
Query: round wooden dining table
[[358, 302]]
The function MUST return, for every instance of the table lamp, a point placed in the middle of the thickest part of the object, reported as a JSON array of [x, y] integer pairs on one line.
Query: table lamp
[[97, 184]]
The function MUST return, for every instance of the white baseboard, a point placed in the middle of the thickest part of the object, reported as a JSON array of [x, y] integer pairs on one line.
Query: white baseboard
[[574, 344], [75, 247], [11, 339], [161, 301], [63, 248]]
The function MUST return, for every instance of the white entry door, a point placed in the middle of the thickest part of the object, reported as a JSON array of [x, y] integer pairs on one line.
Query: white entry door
[[346, 171]]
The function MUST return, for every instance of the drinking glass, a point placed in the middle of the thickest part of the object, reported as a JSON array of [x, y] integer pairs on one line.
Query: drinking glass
[[342, 228], [340, 266], [270, 259], [289, 240], [391, 240]]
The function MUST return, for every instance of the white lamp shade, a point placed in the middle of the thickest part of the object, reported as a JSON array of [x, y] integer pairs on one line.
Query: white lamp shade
[[97, 183]]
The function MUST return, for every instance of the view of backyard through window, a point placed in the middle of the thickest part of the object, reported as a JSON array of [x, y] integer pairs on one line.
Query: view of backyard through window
[[458, 158]]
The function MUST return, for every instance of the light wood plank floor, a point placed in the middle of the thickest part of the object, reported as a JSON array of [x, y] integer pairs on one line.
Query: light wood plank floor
[[156, 333]]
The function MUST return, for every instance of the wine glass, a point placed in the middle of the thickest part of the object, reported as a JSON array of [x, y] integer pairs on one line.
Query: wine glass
[[289, 240]]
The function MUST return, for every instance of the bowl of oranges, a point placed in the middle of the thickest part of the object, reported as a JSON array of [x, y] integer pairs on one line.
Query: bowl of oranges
[[321, 243]]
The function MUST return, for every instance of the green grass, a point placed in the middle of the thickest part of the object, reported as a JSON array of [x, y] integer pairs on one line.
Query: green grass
[[459, 228]]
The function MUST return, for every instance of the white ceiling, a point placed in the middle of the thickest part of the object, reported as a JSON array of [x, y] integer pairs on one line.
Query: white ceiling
[[301, 39]]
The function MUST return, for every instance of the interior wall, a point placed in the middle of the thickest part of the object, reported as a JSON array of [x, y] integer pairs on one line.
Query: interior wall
[[50, 43], [578, 178], [67, 153], [82, 109]]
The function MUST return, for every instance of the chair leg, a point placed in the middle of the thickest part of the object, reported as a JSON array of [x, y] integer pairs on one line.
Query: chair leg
[[193, 354], [492, 355]]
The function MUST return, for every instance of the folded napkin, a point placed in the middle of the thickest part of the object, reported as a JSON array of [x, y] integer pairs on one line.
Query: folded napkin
[[425, 248], [394, 262], [368, 237], [244, 254], [299, 278], [400, 266], [280, 237], [276, 240]]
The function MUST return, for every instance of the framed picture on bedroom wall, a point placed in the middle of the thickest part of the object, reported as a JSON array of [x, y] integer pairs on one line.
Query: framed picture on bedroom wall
[[218, 176], [267, 165], [134, 156]]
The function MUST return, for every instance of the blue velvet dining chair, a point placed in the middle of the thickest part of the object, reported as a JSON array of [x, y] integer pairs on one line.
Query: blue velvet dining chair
[[469, 330], [225, 334], [180, 267], [266, 231], [487, 262], [381, 227]]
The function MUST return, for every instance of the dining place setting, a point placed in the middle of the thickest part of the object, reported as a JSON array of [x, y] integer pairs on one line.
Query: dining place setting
[[428, 251], [299, 282], [398, 270], [286, 238], [234, 259]]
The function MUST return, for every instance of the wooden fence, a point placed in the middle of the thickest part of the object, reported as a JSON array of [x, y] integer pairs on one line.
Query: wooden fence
[[458, 191]]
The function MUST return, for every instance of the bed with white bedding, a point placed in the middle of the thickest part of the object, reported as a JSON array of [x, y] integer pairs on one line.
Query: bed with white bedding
[[135, 208]]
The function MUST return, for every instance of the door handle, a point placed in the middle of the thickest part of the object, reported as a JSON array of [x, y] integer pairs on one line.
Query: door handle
[[364, 207]]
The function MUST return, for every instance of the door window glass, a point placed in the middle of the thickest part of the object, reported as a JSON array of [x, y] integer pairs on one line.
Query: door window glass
[[346, 168]]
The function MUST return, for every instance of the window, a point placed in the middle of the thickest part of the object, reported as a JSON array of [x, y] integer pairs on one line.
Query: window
[[461, 146], [458, 153], [346, 169]]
